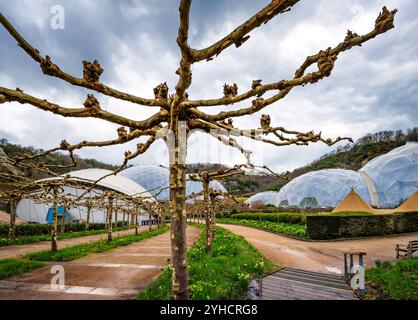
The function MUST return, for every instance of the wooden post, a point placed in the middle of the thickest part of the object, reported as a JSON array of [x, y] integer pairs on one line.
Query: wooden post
[[150, 219], [124, 216], [109, 217], [54, 245], [346, 277], [12, 225]]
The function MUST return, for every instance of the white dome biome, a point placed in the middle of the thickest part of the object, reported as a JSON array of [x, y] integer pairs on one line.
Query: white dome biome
[[392, 177], [264, 198], [156, 180], [321, 189]]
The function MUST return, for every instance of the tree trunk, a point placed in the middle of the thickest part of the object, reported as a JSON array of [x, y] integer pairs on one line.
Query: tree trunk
[[124, 217], [63, 221], [212, 222], [88, 217], [12, 225], [136, 223], [116, 218], [208, 238], [109, 221], [150, 220], [54, 245], [180, 290]]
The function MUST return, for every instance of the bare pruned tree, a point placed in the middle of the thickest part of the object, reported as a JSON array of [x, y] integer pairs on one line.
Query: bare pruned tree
[[177, 116]]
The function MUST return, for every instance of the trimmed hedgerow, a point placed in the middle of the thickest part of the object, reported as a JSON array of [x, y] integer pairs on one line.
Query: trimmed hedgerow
[[42, 229], [321, 227]]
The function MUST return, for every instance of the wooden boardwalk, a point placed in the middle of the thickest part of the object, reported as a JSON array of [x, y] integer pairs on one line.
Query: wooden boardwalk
[[295, 284]]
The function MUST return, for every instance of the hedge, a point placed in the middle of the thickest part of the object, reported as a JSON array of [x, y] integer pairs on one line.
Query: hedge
[[41, 229], [322, 227], [293, 218]]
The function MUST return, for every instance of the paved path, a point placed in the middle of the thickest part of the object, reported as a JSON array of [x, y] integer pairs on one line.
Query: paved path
[[20, 250], [116, 274], [318, 256]]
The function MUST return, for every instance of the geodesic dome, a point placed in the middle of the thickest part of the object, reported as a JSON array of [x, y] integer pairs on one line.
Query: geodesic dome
[[265, 198], [392, 177], [320, 189], [156, 180]]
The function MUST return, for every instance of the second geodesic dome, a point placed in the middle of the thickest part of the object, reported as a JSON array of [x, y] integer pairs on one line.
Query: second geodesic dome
[[393, 177], [321, 189], [263, 198], [156, 180]]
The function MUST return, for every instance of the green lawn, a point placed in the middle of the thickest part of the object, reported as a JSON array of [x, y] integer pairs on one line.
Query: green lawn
[[223, 274], [13, 267], [276, 227], [396, 281], [46, 237], [82, 250]]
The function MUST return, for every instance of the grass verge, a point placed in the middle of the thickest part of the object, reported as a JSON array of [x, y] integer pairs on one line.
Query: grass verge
[[82, 250], [223, 274], [394, 281], [297, 230], [13, 267], [46, 237]]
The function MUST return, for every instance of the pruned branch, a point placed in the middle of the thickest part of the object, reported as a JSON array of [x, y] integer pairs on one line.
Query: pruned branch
[[325, 61], [90, 78], [240, 34], [92, 109]]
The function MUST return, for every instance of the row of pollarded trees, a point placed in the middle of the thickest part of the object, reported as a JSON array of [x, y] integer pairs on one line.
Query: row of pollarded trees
[[177, 114], [51, 191]]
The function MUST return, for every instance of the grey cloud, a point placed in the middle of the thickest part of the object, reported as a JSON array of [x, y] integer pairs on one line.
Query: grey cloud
[[372, 88]]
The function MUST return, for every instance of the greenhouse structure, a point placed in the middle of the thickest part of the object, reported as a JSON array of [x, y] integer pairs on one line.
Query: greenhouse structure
[[384, 182], [32, 212]]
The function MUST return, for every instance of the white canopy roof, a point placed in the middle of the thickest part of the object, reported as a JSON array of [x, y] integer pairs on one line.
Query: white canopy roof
[[114, 182]]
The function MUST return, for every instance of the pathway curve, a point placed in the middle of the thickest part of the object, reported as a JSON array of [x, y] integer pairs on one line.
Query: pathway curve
[[116, 274], [318, 256], [23, 249]]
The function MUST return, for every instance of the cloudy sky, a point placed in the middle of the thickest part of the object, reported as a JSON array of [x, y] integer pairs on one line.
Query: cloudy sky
[[372, 88]]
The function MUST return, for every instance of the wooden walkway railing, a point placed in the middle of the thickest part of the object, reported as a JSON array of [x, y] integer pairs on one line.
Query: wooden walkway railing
[[295, 284]]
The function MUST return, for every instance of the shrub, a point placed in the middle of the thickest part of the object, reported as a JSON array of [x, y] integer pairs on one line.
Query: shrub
[[334, 226], [43, 229], [292, 218]]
